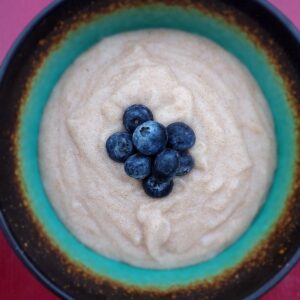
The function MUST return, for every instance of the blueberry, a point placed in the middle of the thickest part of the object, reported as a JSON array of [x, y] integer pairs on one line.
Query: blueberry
[[138, 166], [136, 115], [119, 146], [181, 136], [150, 138], [157, 188], [166, 164], [186, 164]]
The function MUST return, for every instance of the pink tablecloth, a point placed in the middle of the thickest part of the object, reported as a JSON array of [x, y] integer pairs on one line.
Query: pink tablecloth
[[16, 281]]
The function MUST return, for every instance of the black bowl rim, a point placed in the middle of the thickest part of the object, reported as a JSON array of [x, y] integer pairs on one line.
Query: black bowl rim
[[264, 5]]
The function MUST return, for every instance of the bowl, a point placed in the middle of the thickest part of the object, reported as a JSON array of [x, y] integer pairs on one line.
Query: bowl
[[260, 37]]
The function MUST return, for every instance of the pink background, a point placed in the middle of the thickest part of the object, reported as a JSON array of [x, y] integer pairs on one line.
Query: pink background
[[16, 281]]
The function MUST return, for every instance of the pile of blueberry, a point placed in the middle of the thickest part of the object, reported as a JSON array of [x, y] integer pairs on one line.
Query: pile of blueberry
[[150, 151]]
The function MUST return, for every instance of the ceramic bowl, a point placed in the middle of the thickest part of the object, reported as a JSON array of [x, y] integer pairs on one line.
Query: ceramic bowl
[[253, 31]]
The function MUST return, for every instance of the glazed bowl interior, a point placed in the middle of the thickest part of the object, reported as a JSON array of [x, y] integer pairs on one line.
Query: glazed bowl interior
[[232, 38]]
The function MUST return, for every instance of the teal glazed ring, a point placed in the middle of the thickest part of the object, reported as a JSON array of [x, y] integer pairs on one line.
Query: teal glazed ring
[[253, 31]]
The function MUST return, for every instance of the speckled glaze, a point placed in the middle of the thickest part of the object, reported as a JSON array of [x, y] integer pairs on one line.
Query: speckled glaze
[[244, 270]]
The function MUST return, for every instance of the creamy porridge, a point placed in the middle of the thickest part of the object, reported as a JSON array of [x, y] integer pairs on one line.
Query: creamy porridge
[[180, 77]]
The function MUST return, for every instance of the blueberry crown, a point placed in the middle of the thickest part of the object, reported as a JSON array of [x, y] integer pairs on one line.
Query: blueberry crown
[[152, 152]]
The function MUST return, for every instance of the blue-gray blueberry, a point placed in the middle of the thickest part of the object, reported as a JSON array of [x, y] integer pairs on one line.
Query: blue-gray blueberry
[[157, 188], [180, 136], [166, 163], [150, 138], [119, 146], [186, 164], [136, 115], [138, 166]]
